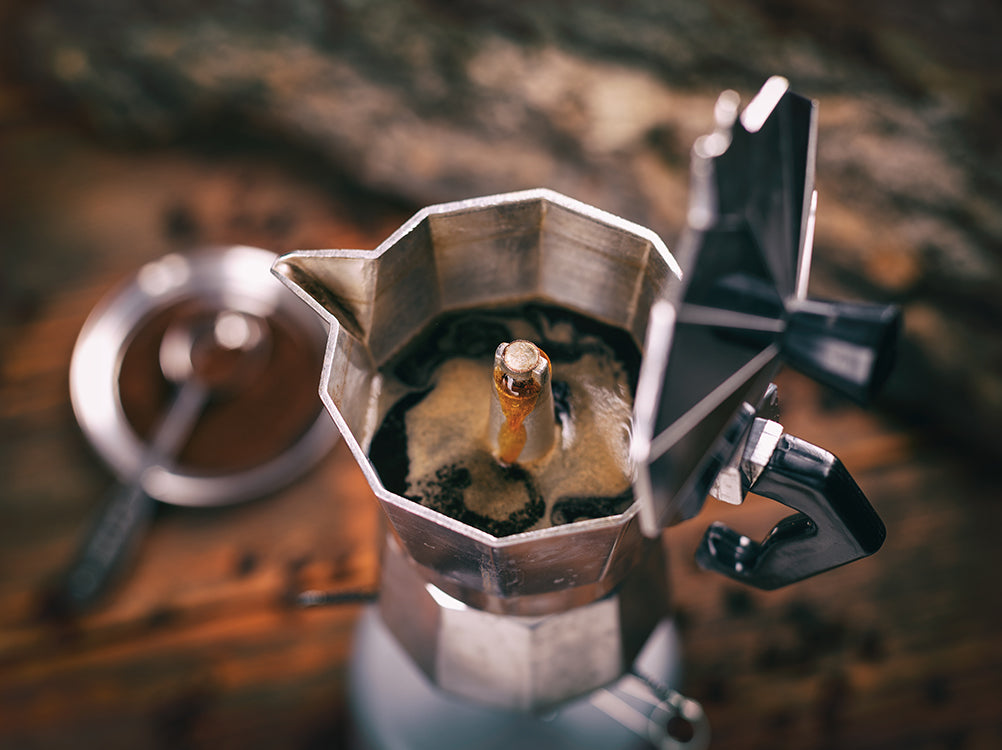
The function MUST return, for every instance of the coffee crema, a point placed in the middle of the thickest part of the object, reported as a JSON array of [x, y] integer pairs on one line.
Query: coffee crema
[[432, 444]]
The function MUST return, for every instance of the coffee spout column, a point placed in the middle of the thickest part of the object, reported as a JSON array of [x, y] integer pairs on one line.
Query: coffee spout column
[[521, 427]]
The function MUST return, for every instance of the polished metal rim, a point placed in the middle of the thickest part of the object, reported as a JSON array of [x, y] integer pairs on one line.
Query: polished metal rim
[[236, 277]]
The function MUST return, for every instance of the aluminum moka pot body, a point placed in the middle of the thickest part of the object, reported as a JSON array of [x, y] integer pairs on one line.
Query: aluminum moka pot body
[[498, 251], [529, 620], [712, 323]]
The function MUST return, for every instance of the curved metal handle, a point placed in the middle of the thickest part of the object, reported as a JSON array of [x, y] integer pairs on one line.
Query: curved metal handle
[[835, 523]]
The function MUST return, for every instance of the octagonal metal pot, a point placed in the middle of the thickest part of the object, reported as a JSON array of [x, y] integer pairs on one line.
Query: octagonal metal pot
[[531, 246]]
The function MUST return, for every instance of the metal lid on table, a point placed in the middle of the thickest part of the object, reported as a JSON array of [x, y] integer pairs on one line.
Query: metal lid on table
[[247, 444]]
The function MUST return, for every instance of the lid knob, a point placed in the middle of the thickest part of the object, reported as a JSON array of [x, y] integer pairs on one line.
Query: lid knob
[[848, 346]]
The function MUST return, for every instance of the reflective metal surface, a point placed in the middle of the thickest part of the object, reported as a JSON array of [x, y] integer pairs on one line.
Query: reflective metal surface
[[750, 209], [498, 250], [716, 339], [527, 662], [533, 618], [394, 705], [225, 278]]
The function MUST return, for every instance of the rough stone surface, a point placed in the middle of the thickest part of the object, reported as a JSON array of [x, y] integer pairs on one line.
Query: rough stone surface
[[424, 101]]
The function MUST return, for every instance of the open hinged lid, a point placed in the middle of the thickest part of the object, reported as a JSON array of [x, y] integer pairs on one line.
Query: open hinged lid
[[715, 341]]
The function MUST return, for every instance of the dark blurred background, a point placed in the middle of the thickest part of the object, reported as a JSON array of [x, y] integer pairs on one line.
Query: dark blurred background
[[131, 129]]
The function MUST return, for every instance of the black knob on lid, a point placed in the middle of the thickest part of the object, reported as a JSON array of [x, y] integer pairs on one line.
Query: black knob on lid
[[846, 345]]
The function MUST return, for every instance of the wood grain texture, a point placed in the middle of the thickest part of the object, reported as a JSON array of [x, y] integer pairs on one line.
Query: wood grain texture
[[201, 647]]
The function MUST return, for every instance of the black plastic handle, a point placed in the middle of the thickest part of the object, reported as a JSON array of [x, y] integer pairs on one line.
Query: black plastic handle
[[835, 523]]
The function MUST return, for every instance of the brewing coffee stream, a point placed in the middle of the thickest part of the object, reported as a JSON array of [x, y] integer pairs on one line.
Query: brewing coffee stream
[[518, 398], [515, 406], [537, 437], [521, 420]]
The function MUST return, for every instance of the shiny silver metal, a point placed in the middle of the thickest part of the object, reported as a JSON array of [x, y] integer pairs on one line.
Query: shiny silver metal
[[233, 277], [731, 484], [395, 705], [525, 662], [749, 232], [486, 252], [532, 619], [659, 715], [752, 449], [715, 340]]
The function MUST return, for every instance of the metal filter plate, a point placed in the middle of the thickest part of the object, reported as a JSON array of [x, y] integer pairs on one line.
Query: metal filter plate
[[247, 443]]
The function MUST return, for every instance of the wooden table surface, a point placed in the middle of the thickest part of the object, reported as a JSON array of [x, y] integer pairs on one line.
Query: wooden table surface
[[201, 645]]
